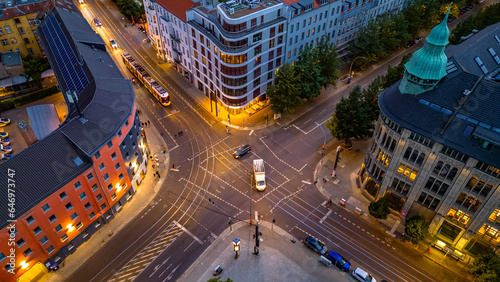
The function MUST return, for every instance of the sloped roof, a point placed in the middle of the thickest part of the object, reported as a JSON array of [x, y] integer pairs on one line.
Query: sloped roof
[[51, 163], [177, 7]]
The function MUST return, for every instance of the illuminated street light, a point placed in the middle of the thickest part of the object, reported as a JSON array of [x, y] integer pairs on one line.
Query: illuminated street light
[[70, 227], [350, 69], [24, 264], [118, 187]]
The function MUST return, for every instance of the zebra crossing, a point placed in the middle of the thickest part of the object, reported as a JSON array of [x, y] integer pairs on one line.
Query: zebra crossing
[[147, 255]]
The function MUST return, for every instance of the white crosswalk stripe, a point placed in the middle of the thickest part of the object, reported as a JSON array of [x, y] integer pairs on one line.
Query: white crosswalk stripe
[[147, 255]]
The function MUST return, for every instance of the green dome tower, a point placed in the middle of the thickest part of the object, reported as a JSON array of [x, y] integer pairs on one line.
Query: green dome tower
[[427, 65]]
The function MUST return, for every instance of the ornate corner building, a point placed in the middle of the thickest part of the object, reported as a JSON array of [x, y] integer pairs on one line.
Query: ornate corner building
[[66, 186], [436, 145]]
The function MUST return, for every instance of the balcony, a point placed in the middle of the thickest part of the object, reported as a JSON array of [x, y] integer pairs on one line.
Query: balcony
[[177, 39]]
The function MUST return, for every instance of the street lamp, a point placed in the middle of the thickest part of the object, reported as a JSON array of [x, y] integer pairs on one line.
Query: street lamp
[[350, 69], [236, 246]]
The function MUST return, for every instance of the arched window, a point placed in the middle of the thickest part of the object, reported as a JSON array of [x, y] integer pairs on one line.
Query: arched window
[[389, 139], [452, 173], [445, 170], [414, 156], [383, 138], [407, 153], [438, 167], [393, 145], [420, 159]]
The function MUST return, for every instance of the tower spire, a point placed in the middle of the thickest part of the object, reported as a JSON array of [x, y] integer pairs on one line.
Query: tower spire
[[427, 66]]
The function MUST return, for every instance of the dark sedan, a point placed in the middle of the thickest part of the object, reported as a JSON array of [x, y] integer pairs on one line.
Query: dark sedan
[[242, 151], [315, 245]]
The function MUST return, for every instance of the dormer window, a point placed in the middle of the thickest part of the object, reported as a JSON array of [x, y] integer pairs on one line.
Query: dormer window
[[481, 65]]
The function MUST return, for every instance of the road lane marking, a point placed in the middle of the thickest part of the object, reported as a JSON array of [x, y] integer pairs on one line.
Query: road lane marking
[[309, 183], [250, 132], [189, 233], [326, 215], [187, 247]]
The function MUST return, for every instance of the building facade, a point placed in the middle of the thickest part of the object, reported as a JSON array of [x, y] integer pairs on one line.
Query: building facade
[[236, 49], [436, 146], [68, 184], [308, 21], [252, 39]]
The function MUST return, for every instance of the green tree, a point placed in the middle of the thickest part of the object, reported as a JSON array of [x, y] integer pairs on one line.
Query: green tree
[[309, 72], [285, 94], [33, 68], [370, 95], [351, 118], [328, 60], [217, 279], [130, 8], [379, 209], [417, 227], [487, 16], [486, 267], [368, 44]]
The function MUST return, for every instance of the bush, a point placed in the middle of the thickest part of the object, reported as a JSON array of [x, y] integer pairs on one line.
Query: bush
[[28, 98]]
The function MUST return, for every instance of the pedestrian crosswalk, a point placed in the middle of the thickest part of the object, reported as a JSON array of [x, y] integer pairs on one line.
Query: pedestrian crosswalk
[[147, 255]]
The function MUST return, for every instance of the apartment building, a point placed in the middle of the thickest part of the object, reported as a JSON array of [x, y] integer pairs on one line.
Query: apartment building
[[255, 37], [236, 49], [18, 25], [436, 147], [308, 21], [66, 186]]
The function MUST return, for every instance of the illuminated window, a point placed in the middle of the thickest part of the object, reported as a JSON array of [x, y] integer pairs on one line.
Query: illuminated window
[[494, 216]]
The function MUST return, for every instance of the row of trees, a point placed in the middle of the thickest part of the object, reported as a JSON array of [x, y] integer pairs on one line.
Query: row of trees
[[355, 115], [317, 67], [487, 16], [381, 37]]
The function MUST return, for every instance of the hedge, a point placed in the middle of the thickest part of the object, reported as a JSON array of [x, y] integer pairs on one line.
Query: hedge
[[10, 104]]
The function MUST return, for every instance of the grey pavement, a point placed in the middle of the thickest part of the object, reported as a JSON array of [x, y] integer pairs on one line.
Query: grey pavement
[[279, 258], [346, 186]]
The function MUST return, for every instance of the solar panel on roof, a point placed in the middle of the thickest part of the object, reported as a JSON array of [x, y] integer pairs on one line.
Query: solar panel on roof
[[75, 79]]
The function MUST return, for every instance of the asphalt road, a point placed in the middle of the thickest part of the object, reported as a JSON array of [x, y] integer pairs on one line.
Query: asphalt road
[[196, 202]]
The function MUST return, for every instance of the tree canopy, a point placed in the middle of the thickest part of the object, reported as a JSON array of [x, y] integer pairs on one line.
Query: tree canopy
[[352, 117], [417, 227], [285, 94], [329, 62], [486, 267], [487, 16], [309, 71], [379, 209], [33, 68]]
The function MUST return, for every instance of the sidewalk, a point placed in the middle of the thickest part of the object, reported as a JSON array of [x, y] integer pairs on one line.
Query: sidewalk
[[279, 258], [346, 186], [144, 195]]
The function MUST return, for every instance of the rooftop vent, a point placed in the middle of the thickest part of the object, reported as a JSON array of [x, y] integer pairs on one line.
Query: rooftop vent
[[464, 97]]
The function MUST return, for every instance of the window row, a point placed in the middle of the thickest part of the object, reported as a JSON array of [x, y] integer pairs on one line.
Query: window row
[[454, 154], [383, 157], [445, 171], [233, 59], [479, 187], [458, 216], [400, 186], [428, 201], [488, 169], [436, 186], [407, 171], [421, 139], [414, 156], [468, 201], [388, 142]]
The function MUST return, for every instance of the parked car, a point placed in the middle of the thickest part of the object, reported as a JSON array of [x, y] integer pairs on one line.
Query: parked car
[[410, 43], [113, 44], [4, 134], [97, 22], [339, 261], [242, 151], [362, 275], [315, 245], [4, 121]]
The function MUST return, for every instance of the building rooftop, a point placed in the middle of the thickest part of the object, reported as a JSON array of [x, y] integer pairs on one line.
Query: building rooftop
[[54, 161], [178, 7], [238, 10], [431, 113]]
